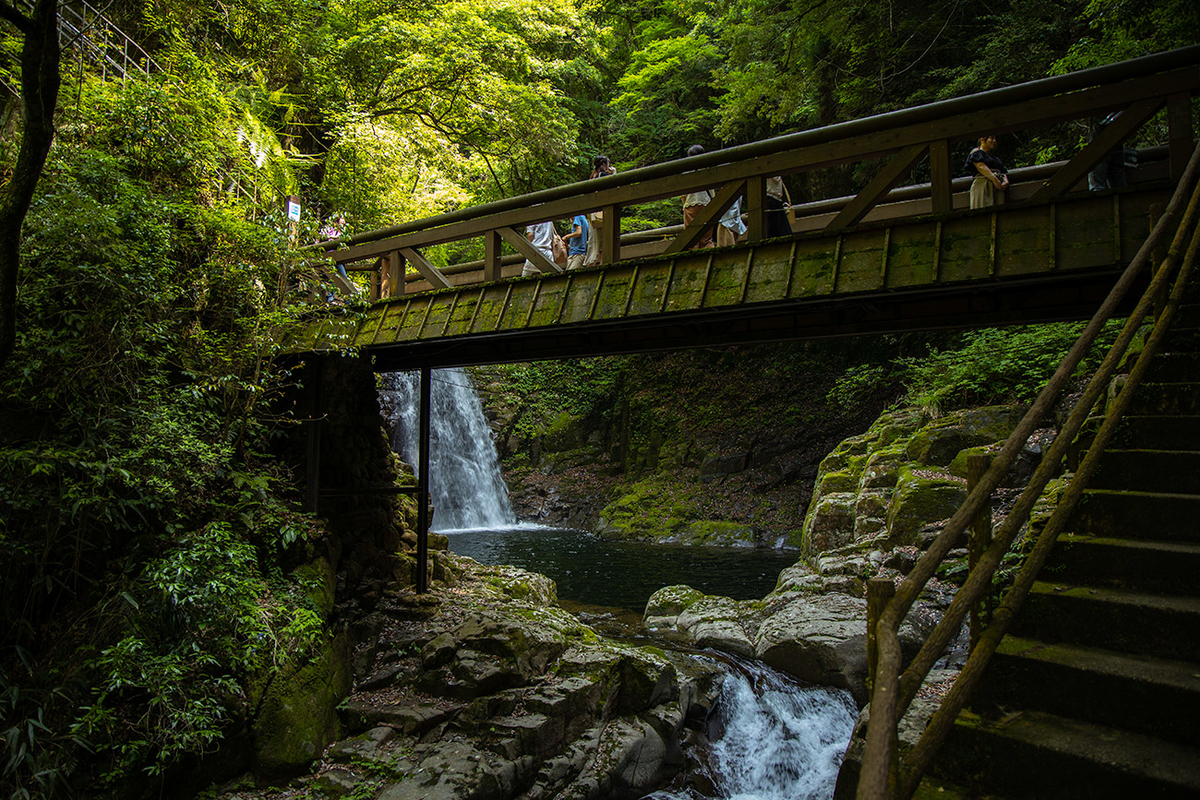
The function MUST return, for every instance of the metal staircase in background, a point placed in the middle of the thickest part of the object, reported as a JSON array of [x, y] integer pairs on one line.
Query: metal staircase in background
[[115, 56]]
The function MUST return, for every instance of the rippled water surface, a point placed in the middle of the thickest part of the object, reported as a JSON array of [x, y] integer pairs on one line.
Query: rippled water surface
[[600, 572]]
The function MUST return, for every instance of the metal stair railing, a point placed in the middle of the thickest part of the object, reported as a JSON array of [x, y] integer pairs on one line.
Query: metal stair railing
[[881, 775], [99, 39]]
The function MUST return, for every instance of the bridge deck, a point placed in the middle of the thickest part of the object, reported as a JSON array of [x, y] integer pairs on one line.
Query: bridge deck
[[1018, 263]]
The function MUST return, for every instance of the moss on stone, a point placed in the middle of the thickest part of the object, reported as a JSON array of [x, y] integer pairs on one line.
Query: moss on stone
[[717, 533], [320, 584], [297, 710], [921, 497]]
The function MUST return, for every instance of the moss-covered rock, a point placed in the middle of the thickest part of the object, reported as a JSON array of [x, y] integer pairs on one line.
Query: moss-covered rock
[[717, 533], [671, 601], [649, 511], [938, 442], [297, 710], [830, 522], [888, 481], [922, 496]]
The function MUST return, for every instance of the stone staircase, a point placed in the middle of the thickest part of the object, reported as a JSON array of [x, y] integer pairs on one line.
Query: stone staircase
[[1096, 691]]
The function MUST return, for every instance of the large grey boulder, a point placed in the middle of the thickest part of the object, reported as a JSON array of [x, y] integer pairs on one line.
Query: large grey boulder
[[823, 639], [502, 694]]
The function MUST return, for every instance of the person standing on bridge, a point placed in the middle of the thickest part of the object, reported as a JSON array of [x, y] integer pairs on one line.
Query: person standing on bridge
[[695, 202], [600, 167], [577, 242], [779, 201], [542, 236], [991, 178]]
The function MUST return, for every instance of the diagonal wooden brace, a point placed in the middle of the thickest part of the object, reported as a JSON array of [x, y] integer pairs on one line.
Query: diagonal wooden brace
[[706, 218], [1086, 159], [427, 270], [525, 248], [877, 189]]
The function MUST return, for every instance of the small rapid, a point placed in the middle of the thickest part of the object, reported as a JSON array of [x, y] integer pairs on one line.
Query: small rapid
[[769, 738]]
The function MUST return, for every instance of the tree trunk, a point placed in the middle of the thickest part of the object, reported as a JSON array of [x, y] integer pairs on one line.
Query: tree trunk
[[39, 97]]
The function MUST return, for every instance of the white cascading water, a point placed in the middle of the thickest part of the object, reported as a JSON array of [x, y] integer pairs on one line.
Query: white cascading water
[[773, 739], [464, 476]]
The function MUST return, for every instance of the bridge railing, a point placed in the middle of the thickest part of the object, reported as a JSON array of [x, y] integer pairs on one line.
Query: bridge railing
[[882, 774], [899, 140]]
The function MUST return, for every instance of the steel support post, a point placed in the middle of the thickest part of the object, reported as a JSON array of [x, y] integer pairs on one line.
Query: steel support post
[[423, 487]]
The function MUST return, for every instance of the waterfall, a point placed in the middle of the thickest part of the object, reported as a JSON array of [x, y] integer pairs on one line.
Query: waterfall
[[771, 738], [464, 477]]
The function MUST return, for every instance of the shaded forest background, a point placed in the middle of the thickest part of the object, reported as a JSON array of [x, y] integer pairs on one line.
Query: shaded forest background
[[148, 532]]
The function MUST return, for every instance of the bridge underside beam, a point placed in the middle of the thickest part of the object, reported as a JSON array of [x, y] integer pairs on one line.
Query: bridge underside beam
[[1022, 263]]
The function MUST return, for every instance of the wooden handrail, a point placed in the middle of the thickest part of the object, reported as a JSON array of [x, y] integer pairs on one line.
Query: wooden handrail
[[1141, 87], [892, 693], [852, 129]]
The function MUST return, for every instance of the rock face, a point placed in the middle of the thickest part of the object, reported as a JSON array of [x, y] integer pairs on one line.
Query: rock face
[[816, 637], [488, 690], [904, 472]]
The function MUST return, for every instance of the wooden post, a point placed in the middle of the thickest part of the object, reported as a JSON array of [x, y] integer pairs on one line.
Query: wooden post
[[423, 486], [940, 177], [491, 256], [756, 207], [393, 276], [1179, 132], [979, 536], [610, 235], [879, 592]]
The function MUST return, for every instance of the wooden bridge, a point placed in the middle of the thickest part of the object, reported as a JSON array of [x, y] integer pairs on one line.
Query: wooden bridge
[[886, 259]]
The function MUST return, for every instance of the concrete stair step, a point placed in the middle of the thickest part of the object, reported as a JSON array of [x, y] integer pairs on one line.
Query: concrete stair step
[[1182, 340], [1171, 367], [1097, 685], [1187, 317], [1166, 398], [1038, 755], [1158, 432], [1161, 516], [931, 788], [1116, 563], [1174, 471], [1162, 625]]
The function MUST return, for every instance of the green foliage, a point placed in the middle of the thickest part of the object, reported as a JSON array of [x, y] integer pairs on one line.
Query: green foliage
[[143, 536], [996, 365], [549, 389]]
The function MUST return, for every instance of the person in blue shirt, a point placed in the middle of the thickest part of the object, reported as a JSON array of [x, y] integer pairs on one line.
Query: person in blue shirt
[[577, 242]]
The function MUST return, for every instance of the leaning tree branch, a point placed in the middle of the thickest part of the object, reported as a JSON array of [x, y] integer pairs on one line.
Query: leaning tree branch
[[39, 97]]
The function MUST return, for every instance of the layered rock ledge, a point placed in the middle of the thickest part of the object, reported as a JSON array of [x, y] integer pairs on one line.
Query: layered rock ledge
[[486, 689]]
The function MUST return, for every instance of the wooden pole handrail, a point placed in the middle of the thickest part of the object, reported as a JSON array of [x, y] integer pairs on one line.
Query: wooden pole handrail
[[892, 693], [943, 719], [852, 129]]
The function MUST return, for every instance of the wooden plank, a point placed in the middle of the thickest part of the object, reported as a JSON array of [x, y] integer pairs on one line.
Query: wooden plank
[[526, 248], [879, 186], [1042, 111], [427, 270], [1086, 159]]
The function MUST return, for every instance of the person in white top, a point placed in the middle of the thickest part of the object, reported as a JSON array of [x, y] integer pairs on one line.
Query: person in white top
[[541, 235]]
